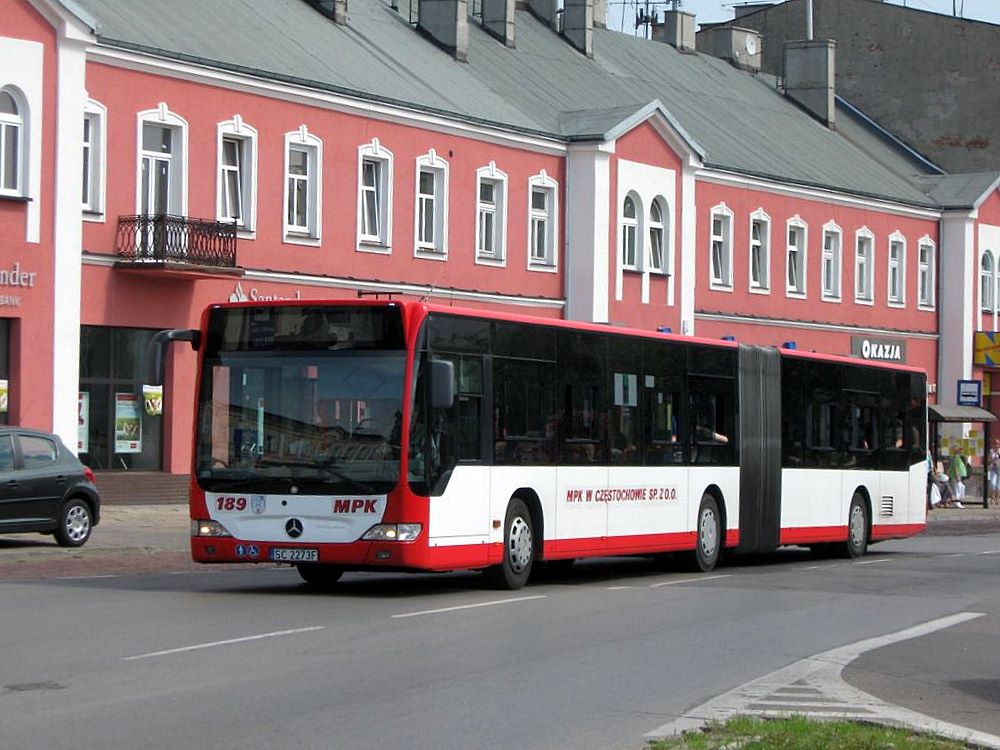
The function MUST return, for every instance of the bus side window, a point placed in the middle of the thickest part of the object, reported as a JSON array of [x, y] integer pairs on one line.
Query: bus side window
[[664, 444]]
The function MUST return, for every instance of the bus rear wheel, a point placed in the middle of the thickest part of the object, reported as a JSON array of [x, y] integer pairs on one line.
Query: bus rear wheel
[[518, 550], [708, 547], [318, 575]]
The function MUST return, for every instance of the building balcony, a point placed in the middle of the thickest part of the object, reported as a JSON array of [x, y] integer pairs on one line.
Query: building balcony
[[176, 243]]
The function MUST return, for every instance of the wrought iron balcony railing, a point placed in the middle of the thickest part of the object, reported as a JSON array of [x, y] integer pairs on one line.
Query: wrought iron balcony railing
[[176, 239]]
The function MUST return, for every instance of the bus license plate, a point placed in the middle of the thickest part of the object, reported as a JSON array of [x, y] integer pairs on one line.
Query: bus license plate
[[294, 554]]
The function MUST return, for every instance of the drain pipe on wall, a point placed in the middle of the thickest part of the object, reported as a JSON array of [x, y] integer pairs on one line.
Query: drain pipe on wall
[[809, 19]]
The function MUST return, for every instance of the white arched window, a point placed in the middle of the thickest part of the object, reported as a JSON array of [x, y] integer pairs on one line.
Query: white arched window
[[491, 215], [986, 283], [925, 272], [630, 233], [543, 218], [161, 187], [431, 207], [657, 236], [237, 173], [831, 264], [374, 197], [303, 187], [721, 248], [12, 147]]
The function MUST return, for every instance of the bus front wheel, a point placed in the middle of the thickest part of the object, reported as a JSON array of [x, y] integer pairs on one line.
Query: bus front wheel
[[857, 528], [318, 575], [518, 550], [709, 536]]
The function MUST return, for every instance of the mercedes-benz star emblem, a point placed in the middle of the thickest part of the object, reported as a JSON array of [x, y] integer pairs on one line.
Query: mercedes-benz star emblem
[[293, 527]]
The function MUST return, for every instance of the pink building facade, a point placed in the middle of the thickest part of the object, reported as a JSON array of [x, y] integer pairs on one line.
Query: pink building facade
[[332, 195]]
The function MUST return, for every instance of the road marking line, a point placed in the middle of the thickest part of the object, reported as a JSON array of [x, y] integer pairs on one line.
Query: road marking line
[[468, 606], [86, 578], [990, 552], [222, 643], [621, 588], [955, 554], [872, 562], [689, 580], [823, 673], [815, 567]]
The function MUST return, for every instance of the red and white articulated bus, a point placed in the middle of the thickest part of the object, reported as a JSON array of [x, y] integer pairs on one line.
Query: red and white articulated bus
[[391, 435]]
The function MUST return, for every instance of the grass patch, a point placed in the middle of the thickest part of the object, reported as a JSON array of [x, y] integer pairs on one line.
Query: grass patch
[[800, 733]]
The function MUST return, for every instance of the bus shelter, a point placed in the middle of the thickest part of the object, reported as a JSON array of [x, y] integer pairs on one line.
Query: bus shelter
[[953, 413]]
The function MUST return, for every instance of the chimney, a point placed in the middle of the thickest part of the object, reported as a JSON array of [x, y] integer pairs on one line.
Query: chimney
[[498, 19], [545, 10], [335, 9], [447, 23], [739, 46], [677, 30], [601, 13], [747, 8], [578, 24], [809, 76]]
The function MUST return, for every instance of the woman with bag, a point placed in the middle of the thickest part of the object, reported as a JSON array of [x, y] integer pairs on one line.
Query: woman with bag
[[957, 472]]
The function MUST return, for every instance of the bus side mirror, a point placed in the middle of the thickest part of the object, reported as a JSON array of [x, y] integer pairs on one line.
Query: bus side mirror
[[442, 384], [156, 351]]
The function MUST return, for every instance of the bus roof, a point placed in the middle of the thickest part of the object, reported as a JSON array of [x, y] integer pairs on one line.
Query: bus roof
[[421, 309]]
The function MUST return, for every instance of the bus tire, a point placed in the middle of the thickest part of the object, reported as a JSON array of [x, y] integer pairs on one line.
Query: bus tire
[[518, 550], [708, 544], [857, 528], [318, 575]]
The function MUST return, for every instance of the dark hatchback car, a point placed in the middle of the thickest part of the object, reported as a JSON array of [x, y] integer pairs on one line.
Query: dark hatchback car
[[45, 488]]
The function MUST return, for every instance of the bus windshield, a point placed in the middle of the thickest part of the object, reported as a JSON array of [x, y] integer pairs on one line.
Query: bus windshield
[[292, 404]]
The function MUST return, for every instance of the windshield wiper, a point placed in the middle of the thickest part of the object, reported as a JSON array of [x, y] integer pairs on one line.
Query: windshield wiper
[[329, 470]]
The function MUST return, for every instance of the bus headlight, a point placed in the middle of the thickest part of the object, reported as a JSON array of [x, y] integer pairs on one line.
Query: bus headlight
[[208, 528], [393, 532]]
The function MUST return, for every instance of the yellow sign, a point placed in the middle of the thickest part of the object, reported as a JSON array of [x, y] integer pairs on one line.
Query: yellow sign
[[986, 348]]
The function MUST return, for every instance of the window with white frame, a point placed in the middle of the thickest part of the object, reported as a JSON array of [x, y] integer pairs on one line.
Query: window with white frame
[[657, 236], [491, 213], [864, 266], [94, 155], [925, 273], [721, 247], [303, 181], [897, 270], [986, 283], [630, 233], [162, 183], [760, 251], [431, 209], [831, 262], [12, 147], [237, 173], [795, 258], [542, 198], [374, 197]]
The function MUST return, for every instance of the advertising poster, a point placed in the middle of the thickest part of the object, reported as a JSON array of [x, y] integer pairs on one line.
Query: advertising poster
[[128, 423], [83, 423], [152, 396], [3, 396]]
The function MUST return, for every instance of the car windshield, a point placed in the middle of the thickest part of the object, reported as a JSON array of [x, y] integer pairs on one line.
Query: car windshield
[[293, 416]]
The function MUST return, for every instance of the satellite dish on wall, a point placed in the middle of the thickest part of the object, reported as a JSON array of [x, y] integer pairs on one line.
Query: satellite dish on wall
[[750, 45]]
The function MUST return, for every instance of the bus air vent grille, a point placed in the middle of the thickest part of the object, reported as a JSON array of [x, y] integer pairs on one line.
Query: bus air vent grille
[[886, 508]]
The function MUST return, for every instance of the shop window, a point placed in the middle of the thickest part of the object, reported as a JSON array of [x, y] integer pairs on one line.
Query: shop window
[[115, 433]]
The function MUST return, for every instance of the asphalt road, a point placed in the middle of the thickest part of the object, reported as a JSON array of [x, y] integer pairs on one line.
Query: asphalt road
[[250, 658]]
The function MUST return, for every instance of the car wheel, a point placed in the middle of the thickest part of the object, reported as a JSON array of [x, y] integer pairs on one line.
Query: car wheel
[[75, 523], [318, 575], [518, 550]]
